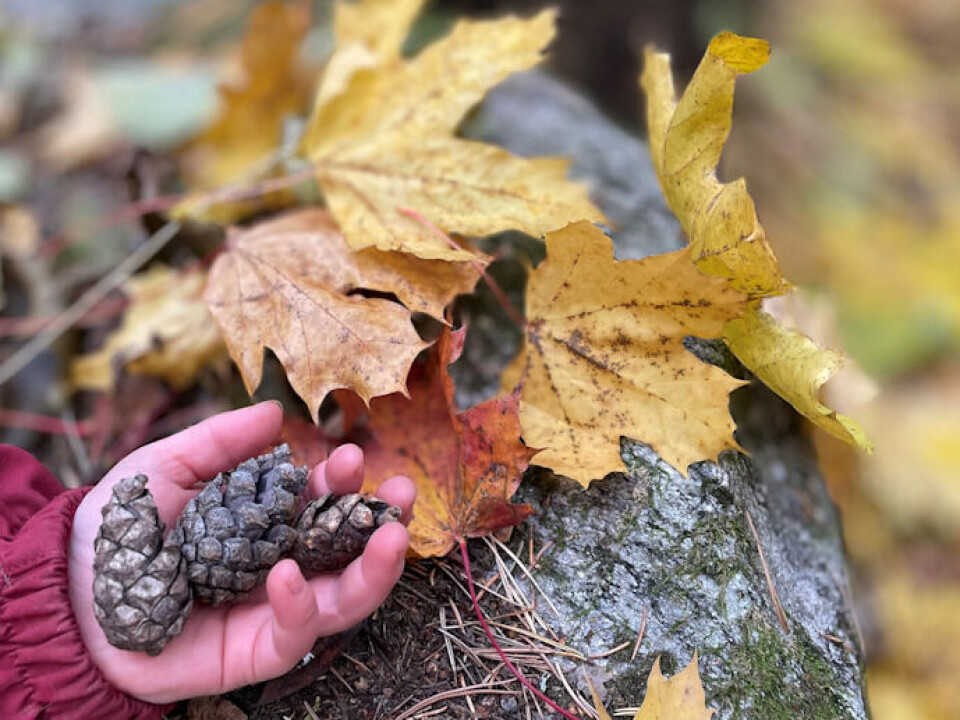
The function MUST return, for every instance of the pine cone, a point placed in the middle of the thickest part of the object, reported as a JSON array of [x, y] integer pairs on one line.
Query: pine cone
[[333, 530], [140, 592], [224, 544], [239, 526]]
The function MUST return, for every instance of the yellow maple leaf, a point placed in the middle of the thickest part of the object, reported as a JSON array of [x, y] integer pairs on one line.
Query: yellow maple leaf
[[383, 144], [166, 331], [604, 357], [686, 141], [726, 238], [367, 33], [793, 366], [248, 128], [381, 25], [289, 285], [679, 698]]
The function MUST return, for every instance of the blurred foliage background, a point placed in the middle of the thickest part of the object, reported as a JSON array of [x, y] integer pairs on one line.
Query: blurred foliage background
[[850, 144]]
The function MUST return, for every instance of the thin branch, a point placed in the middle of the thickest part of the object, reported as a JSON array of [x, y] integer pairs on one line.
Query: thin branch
[[36, 422], [108, 283]]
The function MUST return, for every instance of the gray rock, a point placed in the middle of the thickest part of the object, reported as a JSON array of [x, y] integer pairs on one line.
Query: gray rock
[[681, 548]]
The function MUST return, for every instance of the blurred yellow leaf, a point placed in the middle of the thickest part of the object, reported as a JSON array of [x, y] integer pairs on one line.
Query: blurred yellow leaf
[[604, 357], [921, 639], [381, 25], [793, 366], [891, 696], [679, 698], [248, 128], [166, 332], [889, 269], [19, 232], [915, 474], [686, 141], [384, 146]]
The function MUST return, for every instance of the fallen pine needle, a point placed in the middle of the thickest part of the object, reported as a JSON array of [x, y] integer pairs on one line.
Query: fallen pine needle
[[781, 616], [643, 628], [486, 629]]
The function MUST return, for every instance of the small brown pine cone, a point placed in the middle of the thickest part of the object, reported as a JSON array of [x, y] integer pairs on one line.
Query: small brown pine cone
[[239, 526], [140, 591], [333, 530]]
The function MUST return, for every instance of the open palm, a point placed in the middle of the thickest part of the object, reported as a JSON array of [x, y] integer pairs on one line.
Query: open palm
[[227, 647]]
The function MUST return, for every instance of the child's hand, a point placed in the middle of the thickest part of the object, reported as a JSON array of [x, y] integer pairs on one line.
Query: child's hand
[[226, 647]]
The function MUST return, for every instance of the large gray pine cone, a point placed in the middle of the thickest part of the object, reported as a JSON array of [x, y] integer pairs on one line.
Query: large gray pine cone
[[240, 525], [140, 591], [333, 530]]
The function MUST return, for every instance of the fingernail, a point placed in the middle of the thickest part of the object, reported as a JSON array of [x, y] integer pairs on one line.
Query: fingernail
[[296, 583], [276, 402]]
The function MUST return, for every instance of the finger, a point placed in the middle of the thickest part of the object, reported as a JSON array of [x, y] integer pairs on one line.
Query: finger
[[200, 452], [399, 491], [340, 473], [365, 584], [293, 627]]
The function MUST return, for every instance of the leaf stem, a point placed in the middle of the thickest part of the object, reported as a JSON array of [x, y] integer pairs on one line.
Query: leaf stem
[[508, 307], [496, 646]]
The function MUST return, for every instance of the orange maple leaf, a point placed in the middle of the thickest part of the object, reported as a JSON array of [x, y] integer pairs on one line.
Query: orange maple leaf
[[466, 465]]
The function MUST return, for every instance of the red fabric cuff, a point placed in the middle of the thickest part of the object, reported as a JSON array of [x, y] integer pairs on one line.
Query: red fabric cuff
[[25, 487], [52, 675]]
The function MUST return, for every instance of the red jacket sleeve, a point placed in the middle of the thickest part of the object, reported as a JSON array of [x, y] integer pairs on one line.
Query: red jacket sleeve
[[25, 487], [45, 670]]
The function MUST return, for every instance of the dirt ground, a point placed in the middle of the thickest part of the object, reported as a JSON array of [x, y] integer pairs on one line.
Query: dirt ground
[[422, 655]]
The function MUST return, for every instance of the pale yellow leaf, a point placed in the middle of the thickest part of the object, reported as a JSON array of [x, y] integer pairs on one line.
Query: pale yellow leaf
[[380, 25], [475, 188], [166, 332], [604, 357], [83, 130], [601, 710], [367, 32], [686, 140], [679, 698], [385, 145], [793, 366]]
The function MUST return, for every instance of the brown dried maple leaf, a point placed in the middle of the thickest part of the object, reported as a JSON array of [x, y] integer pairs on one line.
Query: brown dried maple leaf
[[286, 285]]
